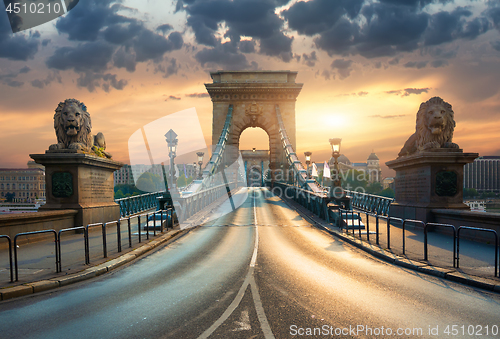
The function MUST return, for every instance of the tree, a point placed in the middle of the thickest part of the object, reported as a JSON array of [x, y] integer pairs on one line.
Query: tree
[[119, 194], [388, 192], [470, 193], [374, 188]]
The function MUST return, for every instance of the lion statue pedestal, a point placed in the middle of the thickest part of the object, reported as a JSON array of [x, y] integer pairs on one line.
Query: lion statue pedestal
[[78, 170], [430, 167]]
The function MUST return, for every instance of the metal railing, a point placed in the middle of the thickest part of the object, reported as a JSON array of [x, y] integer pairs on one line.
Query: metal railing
[[166, 217], [138, 203], [433, 224], [370, 202], [10, 255], [479, 230], [425, 226], [314, 202], [31, 233]]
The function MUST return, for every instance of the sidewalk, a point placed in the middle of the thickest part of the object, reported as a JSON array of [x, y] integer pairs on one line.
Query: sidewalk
[[37, 267], [476, 259]]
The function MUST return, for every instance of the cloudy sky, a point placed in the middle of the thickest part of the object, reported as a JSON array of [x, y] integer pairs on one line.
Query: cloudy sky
[[366, 66]]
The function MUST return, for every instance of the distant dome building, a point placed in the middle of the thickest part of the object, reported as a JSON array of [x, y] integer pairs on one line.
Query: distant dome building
[[371, 167]]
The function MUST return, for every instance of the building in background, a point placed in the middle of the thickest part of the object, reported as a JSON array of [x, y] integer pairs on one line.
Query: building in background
[[483, 174], [22, 184], [388, 183], [126, 174], [371, 167]]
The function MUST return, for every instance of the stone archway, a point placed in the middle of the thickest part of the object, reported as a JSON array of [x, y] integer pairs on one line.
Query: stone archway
[[254, 96]]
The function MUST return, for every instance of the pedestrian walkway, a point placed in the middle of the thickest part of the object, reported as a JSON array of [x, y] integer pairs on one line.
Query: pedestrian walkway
[[36, 257], [477, 260]]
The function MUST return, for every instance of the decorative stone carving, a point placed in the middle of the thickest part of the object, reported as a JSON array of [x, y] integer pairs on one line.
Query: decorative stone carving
[[254, 111], [435, 126], [73, 126], [62, 184]]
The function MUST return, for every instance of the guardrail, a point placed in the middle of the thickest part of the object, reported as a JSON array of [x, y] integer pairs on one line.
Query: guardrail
[[370, 202], [433, 224], [314, 202], [138, 203], [425, 226], [31, 233], [195, 202], [10, 255], [168, 220], [480, 230]]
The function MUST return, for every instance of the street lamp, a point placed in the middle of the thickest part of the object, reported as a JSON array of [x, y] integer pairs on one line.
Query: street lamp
[[308, 161], [335, 144], [171, 138], [200, 162]]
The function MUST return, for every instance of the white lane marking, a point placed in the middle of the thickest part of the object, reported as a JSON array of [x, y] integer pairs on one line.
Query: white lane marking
[[256, 247], [229, 310], [244, 323], [261, 314], [249, 280]]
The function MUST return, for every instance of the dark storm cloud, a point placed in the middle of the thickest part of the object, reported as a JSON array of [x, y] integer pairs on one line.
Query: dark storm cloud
[[278, 45], [16, 46], [172, 97], [310, 60], [247, 46], [198, 95], [250, 18], [223, 55], [165, 28], [448, 26], [496, 45], [109, 39], [90, 56], [51, 77], [416, 64], [439, 63], [91, 81], [343, 67], [408, 91], [318, 16], [384, 28], [169, 68]]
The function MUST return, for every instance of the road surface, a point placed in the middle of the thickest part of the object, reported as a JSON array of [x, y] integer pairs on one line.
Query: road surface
[[261, 271]]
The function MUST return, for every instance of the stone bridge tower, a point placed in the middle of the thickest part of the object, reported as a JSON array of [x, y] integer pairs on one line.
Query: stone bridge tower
[[254, 95]]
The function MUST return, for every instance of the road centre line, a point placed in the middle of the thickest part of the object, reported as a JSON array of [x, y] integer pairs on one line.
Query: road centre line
[[249, 280]]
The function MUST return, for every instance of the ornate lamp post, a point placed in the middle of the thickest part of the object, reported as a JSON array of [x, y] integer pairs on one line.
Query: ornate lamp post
[[200, 162], [308, 161], [335, 144], [172, 148]]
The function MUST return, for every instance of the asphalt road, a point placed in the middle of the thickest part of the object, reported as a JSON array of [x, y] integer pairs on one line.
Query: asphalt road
[[260, 271]]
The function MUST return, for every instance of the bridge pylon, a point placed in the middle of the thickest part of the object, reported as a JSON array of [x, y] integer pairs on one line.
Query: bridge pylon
[[254, 96]]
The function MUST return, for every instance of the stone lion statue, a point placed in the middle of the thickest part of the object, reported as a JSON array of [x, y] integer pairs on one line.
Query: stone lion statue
[[73, 126], [435, 126]]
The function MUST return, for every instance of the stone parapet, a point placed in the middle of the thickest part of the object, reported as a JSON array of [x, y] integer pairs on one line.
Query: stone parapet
[[12, 224], [429, 180], [82, 182]]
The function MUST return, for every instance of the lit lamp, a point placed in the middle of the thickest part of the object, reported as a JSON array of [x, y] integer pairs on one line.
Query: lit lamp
[[200, 162], [335, 144], [308, 161]]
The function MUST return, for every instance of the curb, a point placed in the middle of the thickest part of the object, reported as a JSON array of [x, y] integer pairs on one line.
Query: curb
[[89, 273], [440, 272]]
